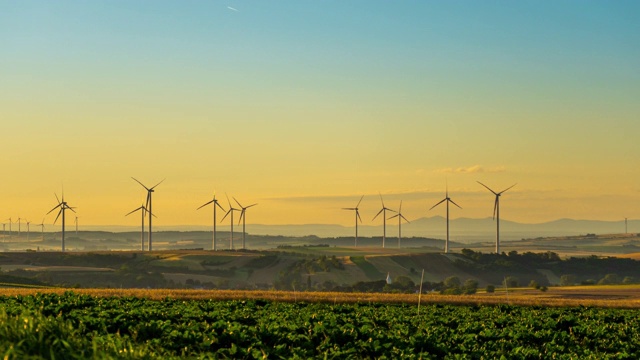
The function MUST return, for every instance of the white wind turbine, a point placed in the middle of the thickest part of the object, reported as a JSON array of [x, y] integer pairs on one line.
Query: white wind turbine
[[448, 200], [383, 211], [76, 222], [230, 211], [400, 218], [243, 218], [357, 211], [496, 212], [10, 222], [149, 209], [28, 222], [215, 203], [63, 207], [19, 223], [144, 212]]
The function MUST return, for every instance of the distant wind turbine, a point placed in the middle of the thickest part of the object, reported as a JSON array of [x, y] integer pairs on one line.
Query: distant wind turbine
[[144, 212], [76, 221], [496, 212], [243, 218], [448, 200], [383, 211], [19, 223], [42, 228], [215, 203], [10, 222], [400, 218], [28, 222], [63, 206], [149, 209], [357, 211], [230, 211]]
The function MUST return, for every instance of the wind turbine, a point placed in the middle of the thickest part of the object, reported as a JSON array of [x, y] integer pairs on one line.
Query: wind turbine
[[243, 218], [400, 217], [448, 200], [28, 222], [144, 211], [42, 228], [357, 218], [19, 223], [63, 207], [76, 222], [383, 211], [215, 203], [148, 206], [10, 222], [231, 210], [496, 212]]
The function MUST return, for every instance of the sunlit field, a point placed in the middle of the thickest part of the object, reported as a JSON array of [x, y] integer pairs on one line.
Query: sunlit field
[[615, 296]]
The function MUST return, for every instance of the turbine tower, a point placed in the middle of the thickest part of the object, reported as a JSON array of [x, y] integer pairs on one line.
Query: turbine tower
[[496, 212], [383, 211], [448, 200], [144, 212], [63, 207], [355, 244], [76, 222], [19, 223], [149, 209], [230, 211], [400, 218], [243, 218], [28, 222], [215, 203]]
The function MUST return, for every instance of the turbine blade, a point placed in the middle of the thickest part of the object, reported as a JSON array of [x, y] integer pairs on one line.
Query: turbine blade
[[138, 181], [57, 197], [148, 198], [70, 208], [495, 207], [360, 201], [50, 211], [453, 202], [394, 216], [218, 205], [225, 215], [508, 188], [132, 211], [59, 212], [488, 188], [251, 205], [205, 204], [358, 215], [440, 202], [349, 208], [158, 183], [241, 216], [405, 219], [236, 200], [381, 199], [377, 214]]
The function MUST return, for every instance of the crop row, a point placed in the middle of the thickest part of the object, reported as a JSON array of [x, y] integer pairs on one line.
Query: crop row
[[82, 326]]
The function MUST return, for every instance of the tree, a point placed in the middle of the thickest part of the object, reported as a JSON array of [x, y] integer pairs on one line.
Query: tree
[[568, 280], [490, 289], [452, 282], [511, 281], [609, 279], [470, 286], [534, 284]]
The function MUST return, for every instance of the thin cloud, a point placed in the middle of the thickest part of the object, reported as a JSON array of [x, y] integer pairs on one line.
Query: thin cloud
[[475, 169], [234, 9]]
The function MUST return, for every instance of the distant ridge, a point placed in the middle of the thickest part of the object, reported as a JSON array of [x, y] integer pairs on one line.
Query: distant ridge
[[462, 229]]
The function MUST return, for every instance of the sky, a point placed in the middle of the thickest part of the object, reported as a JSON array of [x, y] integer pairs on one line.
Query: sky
[[305, 106]]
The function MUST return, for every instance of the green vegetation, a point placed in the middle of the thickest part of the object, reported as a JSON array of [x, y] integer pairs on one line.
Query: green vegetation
[[81, 326], [369, 270]]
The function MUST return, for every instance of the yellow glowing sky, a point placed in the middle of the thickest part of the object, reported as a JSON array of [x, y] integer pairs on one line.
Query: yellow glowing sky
[[304, 107]]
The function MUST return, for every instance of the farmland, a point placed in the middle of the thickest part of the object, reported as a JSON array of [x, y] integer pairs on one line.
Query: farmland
[[77, 325]]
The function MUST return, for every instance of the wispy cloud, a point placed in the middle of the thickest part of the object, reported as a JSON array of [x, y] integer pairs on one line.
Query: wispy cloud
[[475, 169], [234, 9]]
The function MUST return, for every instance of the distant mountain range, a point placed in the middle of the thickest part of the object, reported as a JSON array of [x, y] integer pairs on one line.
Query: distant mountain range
[[463, 230]]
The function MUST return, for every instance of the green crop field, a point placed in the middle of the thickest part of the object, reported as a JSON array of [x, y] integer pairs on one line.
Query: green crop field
[[71, 325]]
